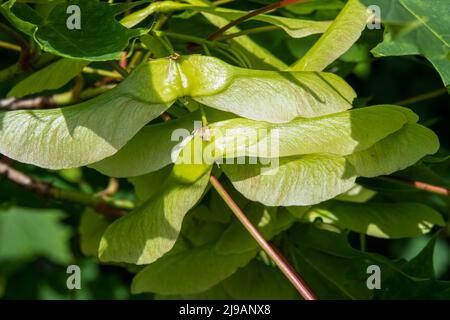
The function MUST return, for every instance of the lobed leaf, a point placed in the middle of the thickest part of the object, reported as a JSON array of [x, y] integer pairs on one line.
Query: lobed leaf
[[337, 271], [432, 16], [421, 282], [27, 233], [423, 32]]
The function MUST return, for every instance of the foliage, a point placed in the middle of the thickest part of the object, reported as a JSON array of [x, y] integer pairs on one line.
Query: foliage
[[153, 96]]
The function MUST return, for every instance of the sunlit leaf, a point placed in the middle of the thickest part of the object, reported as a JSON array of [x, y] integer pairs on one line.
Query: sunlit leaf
[[341, 134], [151, 230], [395, 152], [90, 131], [382, 220], [300, 180], [338, 38]]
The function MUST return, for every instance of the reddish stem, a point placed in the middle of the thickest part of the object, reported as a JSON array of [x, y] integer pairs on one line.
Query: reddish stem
[[271, 251], [418, 185], [252, 14]]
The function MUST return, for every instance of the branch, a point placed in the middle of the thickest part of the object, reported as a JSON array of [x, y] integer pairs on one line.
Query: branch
[[271, 251], [9, 46], [56, 100], [418, 185], [33, 103], [102, 204]]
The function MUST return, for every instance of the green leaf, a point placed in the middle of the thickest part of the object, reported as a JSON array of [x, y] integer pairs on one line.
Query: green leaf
[[90, 131], [296, 28], [424, 32], [357, 194], [155, 45], [199, 231], [392, 12], [51, 77], [257, 281], [214, 293], [208, 214], [337, 271], [339, 37], [20, 15], [328, 264], [27, 233], [310, 179], [306, 8], [190, 271], [420, 282], [147, 185], [93, 41], [151, 148], [93, 130], [151, 230], [341, 134], [280, 96], [269, 221], [223, 213], [395, 152], [301, 180], [382, 220], [91, 228], [432, 16], [422, 265], [148, 151], [260, 57]]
